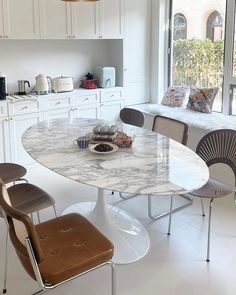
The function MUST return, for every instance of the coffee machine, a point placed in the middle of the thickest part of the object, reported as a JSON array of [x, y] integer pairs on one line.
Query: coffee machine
[[21, 86], [3, 86]]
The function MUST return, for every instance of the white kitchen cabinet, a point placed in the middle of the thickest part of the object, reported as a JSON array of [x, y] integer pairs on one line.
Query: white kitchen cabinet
[[110, 110], [111, 19], [21, 19], [4, 140], [1, 21], [88, 111], [64, 113], [55, 19], [137, 52], [85, 20], [17, 126]]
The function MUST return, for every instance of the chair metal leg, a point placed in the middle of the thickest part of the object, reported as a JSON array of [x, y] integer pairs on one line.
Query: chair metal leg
[[38, 217], [170, 216], [127, 197], [54, 209], [5, 265], [155, 217], [113, 278], [202, 205], [209, 232]]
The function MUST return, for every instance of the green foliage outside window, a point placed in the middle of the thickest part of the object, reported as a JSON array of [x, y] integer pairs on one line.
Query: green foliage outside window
[[198, 63]]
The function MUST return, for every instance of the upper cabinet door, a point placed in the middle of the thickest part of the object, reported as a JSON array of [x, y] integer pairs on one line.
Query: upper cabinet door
[[1, 21], [111, 19], [55, 19], [85, 20], [21, 19]]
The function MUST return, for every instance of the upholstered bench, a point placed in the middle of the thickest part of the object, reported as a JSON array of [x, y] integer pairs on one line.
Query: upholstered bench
[[199, 123]]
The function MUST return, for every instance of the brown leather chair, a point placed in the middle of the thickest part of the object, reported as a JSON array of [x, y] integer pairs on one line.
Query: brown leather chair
[[56, 251], [218, 146], [28, 199], [10, 172]]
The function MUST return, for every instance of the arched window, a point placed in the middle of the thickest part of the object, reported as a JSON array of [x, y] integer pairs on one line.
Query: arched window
[[180, 27], [214, 26]]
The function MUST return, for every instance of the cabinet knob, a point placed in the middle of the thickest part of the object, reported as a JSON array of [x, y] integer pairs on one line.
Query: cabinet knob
[[100, 36], [125, 69], [68, 37], [1, 37], [102, 104], [24, 108], [57, 103], [73, 37]]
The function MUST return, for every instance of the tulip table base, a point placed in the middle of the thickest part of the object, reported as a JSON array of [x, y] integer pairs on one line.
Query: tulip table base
[[129, 237]]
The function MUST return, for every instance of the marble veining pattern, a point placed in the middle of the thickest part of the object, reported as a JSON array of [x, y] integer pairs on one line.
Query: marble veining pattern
[[154, 165]]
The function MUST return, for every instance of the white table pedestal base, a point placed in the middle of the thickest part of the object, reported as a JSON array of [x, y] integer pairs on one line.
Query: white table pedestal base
[[130, 238]]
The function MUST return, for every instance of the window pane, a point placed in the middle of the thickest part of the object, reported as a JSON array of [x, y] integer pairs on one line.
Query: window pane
[[199, 54], [233, 102], [234, 53]]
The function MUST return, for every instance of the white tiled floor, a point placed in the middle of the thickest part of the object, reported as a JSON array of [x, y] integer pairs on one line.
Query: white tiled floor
[[174, 265]]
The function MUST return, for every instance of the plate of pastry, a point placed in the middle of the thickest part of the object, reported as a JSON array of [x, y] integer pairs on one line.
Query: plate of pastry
[[103, 148]]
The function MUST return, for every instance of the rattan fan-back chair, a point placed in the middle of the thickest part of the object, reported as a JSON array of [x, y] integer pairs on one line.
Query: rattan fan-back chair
[[218, 146]]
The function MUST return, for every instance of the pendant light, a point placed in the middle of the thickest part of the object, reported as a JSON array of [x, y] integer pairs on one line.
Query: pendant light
[[80, 0]]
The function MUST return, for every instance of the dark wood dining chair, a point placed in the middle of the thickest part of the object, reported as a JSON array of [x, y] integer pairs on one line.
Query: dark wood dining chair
[[218, 146], [136, 118], [11, 172], [56, 251], [132, 117]]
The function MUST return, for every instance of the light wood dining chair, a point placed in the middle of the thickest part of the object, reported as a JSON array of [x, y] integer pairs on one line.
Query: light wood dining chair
[[56, 251], [178, 131]]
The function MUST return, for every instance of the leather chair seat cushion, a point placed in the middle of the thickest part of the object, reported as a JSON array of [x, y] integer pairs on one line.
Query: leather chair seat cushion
[[213, 189], [10, 172], [29, 198], [70, 245]]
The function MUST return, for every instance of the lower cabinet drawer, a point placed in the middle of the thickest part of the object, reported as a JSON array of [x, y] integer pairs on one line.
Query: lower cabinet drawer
[[17, 108], [86, 99], [57, 103], [3, 109], [110, 95]]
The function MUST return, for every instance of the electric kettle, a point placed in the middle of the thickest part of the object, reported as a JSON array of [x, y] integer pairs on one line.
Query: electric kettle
[[41, 86]]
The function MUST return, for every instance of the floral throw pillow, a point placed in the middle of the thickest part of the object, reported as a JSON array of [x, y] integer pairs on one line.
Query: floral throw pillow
[[201, 99], [175, 96]]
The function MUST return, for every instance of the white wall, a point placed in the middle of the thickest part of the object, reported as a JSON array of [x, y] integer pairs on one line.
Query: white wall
[[23, 60]]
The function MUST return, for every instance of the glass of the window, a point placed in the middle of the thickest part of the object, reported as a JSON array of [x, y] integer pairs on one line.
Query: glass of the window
[[198, 45], [233, 100]]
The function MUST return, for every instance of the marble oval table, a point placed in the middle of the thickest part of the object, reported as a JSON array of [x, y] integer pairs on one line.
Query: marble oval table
[[154, 165]]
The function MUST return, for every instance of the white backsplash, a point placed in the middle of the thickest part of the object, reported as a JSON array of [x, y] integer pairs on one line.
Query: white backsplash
[[23, 60]]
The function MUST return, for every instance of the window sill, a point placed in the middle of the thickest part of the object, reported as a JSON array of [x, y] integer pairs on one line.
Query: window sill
[[208, 122]]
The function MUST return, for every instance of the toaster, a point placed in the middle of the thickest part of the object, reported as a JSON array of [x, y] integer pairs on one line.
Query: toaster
[[106, 77], [62, 84]]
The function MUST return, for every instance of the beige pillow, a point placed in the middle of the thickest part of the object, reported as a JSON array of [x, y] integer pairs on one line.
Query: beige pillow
[[175, 96]]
